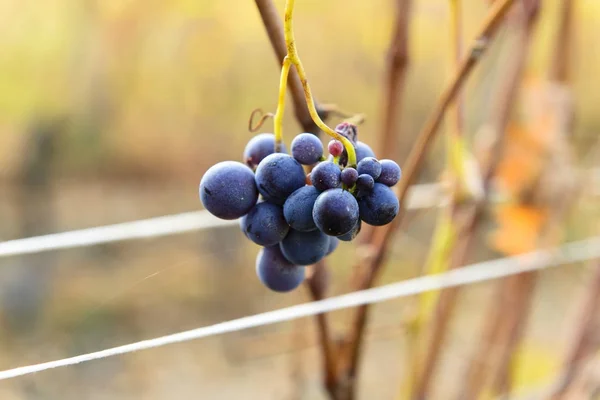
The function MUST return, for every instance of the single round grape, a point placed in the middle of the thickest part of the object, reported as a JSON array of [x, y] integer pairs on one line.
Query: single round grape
[[265, 224], [335, 148], [228, 190], [369, 166], [304, 248], [363, 150], [333, 244], [278, 176], [297, 209], [349, 176], [326, 175], [307, 148], [335, 212], [348, 237], [365, 182], [241, 223], [390, 172], [379, 206], [276, 272], [259, 147]]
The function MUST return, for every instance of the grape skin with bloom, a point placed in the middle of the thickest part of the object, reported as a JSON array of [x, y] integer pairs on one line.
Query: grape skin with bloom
[[300, 218]]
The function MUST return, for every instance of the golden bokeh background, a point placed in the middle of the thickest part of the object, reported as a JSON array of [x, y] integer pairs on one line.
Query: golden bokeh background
[[111, 111]]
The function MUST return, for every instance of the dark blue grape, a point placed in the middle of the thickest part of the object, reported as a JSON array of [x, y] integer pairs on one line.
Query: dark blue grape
[[390, 173], [228, 190], [278, 176], [333, 244], [335, 212], [304, 248], [379, 206], [363, 150], [259, 147], [307, 148], [265, 224], [348, 237], [241, 223], [276, 272], [365, 182], [297, 209], [349, 176], [326, 175], [369, 166]]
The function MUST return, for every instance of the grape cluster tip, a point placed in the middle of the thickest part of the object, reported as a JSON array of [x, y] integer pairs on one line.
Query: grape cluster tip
[[299, 218]]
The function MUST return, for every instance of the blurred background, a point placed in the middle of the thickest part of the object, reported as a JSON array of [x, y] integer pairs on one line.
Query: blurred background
[[112, 110]]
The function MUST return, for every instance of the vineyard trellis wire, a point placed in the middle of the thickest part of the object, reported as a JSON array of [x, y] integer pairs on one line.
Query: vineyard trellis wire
[[421, 197], [569, 253]]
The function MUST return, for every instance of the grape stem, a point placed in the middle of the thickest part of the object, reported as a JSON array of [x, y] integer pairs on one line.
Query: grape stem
[[278, 118], [290, 59]]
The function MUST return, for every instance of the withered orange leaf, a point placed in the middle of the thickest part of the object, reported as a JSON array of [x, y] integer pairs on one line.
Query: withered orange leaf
[[518, 229]]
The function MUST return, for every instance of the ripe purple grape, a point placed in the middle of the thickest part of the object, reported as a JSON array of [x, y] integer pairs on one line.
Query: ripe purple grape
[[363, 150], [348, 237], [335, 148], [297, 209], [333, 244], [304, 248], [228, 190], [326, 175], [379, 206], [241, 224], [369, 166], [277, 176], [365, 182], [259, 147], [265, 224], [307, 148], [349, 176], [390, 173], [336, 212], [276, 272]]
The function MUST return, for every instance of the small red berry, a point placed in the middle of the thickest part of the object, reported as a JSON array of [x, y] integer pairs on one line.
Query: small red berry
[[335, 148]]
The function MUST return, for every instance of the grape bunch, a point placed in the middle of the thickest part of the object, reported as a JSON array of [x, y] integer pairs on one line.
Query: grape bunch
[[300, 218]]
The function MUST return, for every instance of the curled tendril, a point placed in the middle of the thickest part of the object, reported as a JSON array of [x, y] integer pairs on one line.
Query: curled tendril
[[263, 117]]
